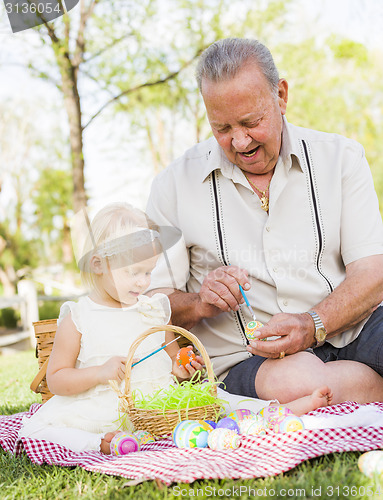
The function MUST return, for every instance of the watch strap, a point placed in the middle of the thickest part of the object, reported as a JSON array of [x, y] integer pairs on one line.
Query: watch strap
[[318, 325]]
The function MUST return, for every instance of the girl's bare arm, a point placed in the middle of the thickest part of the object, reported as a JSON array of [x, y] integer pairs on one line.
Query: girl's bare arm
[[62, 376]]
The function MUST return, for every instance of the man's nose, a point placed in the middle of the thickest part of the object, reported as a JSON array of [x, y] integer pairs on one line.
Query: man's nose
[[240, 139]]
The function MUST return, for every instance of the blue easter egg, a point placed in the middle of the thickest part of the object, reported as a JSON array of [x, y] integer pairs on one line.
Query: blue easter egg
[[190, 434]]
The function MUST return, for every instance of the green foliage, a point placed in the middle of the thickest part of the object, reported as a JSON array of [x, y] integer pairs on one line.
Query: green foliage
[[52, 197], [49, 309], [337, 91], [19, 252], [9, 317], [348, 49]]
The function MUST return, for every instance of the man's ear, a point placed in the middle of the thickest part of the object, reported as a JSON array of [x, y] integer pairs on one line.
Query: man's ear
[[96, 266], [283, 95]]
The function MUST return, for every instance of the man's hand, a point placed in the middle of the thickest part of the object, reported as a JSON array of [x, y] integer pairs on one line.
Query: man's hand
[[220, 291], [296, 332]]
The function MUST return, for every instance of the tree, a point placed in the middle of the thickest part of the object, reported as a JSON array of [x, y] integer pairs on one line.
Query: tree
[[84, 43], [338, 92], [24, 156]]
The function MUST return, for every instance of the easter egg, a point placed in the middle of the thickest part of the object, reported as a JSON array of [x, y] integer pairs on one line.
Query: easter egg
[[185, 355], [241, 414], [124, 443], [228, 423], [211, 423], [206, 425], [181, 425], [288, 423], [371, 463], [190, 434], [271, 413], [250, 329], [223, 439], [253, 426], [144, 437]]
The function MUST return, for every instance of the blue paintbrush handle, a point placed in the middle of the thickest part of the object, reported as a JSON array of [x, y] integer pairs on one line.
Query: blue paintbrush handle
[[154, 352], [247, 301], [244, 296]]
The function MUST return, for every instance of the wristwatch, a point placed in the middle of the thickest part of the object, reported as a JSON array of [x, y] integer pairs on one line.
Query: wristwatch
[[320, 331]]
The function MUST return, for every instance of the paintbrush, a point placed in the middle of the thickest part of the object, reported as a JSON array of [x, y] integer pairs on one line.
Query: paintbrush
[[154, 352], [247, 302]]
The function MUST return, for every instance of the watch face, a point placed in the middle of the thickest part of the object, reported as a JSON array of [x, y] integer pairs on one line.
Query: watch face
[[320, 334]]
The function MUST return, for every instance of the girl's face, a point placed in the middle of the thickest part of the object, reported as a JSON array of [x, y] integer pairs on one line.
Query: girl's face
[[122, 286]]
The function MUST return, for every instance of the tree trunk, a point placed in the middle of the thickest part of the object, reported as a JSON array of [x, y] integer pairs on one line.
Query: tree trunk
[[67, 244], [73, 109]]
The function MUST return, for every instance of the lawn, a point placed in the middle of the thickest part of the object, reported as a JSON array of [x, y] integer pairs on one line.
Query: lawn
[[331, 476]]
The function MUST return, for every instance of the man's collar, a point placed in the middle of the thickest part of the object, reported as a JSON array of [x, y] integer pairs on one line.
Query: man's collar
[[216, 158], [290, 146]]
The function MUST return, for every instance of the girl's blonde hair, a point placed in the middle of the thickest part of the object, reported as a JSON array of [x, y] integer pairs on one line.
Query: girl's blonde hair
[[112, 222]]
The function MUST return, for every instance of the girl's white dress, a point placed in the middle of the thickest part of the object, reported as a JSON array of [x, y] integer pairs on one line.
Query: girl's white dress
[[80, 421]]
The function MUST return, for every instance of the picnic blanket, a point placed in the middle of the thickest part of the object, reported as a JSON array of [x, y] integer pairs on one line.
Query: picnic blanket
[[257, 456]]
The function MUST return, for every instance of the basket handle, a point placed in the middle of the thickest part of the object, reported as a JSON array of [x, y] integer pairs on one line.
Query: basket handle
[[168, 328], [39, 377]]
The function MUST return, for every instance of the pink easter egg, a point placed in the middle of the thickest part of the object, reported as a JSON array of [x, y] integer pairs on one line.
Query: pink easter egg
[[124, 443], [271, 413]]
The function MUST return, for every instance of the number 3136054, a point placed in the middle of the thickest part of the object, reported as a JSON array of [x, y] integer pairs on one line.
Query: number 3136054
[[33, 8]]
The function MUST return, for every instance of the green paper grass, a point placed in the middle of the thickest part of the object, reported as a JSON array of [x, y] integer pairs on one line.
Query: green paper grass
[[182, 395]]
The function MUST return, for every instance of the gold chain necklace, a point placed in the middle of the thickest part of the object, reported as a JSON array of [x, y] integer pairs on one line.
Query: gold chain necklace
[[264, 199]]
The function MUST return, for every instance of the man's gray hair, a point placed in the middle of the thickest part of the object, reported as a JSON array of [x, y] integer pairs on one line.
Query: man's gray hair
[[224, 58]]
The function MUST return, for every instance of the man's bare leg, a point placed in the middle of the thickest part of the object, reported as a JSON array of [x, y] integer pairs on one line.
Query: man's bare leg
[[300, 374]]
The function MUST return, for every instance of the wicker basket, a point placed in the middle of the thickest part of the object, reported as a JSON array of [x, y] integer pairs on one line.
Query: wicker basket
[[45, 332], [159, 423]]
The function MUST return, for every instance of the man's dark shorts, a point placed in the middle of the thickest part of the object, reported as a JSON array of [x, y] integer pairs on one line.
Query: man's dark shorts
[[367, 348]]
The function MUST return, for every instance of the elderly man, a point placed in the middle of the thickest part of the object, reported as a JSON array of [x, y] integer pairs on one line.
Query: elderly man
[[291, 215]]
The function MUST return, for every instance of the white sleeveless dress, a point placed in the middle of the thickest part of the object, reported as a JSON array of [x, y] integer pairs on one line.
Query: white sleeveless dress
[[105, 332]]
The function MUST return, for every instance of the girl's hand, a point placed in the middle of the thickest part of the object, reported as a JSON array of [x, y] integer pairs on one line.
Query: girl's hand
[[186, 372], [113, 369]]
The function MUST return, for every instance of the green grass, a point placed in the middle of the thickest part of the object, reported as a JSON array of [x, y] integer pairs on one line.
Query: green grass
[[329, 477]]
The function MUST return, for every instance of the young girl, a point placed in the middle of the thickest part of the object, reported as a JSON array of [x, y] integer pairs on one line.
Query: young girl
[[94, 335]]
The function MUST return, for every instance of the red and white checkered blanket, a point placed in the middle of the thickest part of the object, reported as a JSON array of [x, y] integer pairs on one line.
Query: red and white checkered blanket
[[256, 457]]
